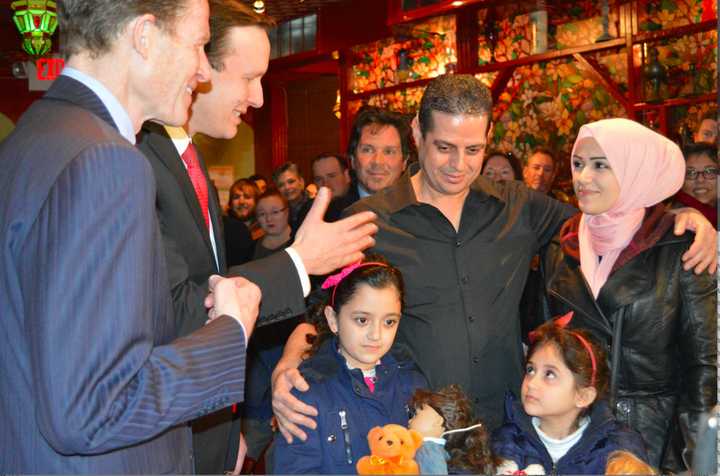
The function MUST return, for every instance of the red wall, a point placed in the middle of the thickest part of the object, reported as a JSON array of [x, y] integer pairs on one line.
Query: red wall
[[14, 95]]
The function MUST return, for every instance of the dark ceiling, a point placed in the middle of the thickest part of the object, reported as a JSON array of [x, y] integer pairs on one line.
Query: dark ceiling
[[282, 10]]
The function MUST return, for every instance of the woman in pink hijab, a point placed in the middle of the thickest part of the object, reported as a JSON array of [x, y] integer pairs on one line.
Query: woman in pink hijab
[[618, 266]]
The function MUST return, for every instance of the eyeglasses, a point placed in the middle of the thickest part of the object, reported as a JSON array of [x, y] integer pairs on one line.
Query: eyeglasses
[[708, 173], [271, 213]]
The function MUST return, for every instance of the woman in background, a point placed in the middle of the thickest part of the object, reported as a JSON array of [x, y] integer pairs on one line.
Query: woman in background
[[240, 226], [273, 215], [701, 176], [501, 167]]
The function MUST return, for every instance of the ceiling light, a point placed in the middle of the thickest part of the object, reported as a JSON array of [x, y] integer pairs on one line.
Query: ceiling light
[[259, 6]]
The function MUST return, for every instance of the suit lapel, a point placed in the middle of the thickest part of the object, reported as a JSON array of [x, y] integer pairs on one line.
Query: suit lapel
[[165, 150]]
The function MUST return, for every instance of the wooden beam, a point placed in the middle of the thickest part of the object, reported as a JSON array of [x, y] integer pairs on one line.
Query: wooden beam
[[603, 78], [501, 80], [626, 16], [389, 89], [651, 36], [684, 101], [397, 15], [466, 38], [550, 55]]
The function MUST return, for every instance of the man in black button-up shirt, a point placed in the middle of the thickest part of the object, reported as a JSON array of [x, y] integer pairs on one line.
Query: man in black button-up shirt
[[464, 246]]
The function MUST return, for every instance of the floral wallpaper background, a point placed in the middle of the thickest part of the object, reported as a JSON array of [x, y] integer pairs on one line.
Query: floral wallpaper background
[[544, 104]]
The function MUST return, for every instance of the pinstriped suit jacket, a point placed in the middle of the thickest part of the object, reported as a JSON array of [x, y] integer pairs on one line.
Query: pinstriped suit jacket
[[91, 380]]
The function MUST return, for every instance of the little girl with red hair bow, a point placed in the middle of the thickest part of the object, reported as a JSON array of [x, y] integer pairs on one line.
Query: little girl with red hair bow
[[562, 423], [358, 378]]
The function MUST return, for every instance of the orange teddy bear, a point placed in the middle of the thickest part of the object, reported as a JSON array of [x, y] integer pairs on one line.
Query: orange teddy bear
[[392, 449]]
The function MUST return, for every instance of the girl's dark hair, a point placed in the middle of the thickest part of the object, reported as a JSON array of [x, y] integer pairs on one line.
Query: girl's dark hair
[[375, 276], [701, 148], [469, 450], [575, 356]]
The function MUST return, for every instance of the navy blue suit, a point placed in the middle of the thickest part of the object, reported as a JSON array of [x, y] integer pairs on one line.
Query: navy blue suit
[[91, 380]]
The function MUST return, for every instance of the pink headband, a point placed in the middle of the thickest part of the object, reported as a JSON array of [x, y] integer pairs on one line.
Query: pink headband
[[562, 323], [335, 279]]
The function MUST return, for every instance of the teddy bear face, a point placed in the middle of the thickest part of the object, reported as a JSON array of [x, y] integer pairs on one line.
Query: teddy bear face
[[394, 440]]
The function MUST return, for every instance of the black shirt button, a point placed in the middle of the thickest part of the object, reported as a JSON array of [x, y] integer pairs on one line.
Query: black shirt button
[[476, 360], [464, 279], [471, 318], [458, 243]]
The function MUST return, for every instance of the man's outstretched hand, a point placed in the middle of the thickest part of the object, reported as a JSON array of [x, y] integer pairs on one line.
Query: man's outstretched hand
[[324, 246]]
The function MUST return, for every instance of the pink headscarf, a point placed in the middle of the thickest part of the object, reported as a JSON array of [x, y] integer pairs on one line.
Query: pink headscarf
[[649, 168]]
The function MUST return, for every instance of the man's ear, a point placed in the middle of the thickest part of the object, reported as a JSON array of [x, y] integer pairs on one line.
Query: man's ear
[[331, 319], [491, 130], [585, 396], [143, 29], [417, 135]]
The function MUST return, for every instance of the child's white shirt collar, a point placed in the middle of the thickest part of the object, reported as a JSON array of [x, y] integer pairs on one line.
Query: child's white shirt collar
[[366, 373], [559, 447]]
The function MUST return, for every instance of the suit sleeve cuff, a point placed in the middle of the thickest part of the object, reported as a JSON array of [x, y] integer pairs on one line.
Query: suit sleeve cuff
[[300, 267], [244, 332]]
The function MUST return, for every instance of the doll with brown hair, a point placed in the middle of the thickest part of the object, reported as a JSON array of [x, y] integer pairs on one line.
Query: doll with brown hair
[[453, 441]]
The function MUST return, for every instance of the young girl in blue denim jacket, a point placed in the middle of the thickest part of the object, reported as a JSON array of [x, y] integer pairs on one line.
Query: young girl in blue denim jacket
[[562, 424], [358, 379]]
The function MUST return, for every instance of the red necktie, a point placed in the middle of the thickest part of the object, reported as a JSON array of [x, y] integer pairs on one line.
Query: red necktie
[[198, 180]]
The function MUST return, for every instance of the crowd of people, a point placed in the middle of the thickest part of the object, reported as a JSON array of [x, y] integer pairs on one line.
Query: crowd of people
[[426, 282]]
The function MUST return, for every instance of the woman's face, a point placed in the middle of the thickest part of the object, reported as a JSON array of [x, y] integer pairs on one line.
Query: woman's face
[[498, 169], [243, 202], [272, 214], [596, 187], [702, 187]]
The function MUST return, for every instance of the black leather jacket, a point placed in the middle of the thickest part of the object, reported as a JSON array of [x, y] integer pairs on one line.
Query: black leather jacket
[[658, 324]]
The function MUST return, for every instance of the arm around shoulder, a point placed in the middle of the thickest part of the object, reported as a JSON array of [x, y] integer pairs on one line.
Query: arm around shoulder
[[698, 347], [298, 457]]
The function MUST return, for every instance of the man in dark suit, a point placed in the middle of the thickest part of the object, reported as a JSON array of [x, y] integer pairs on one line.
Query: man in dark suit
[[190, 219], [91, 375]]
